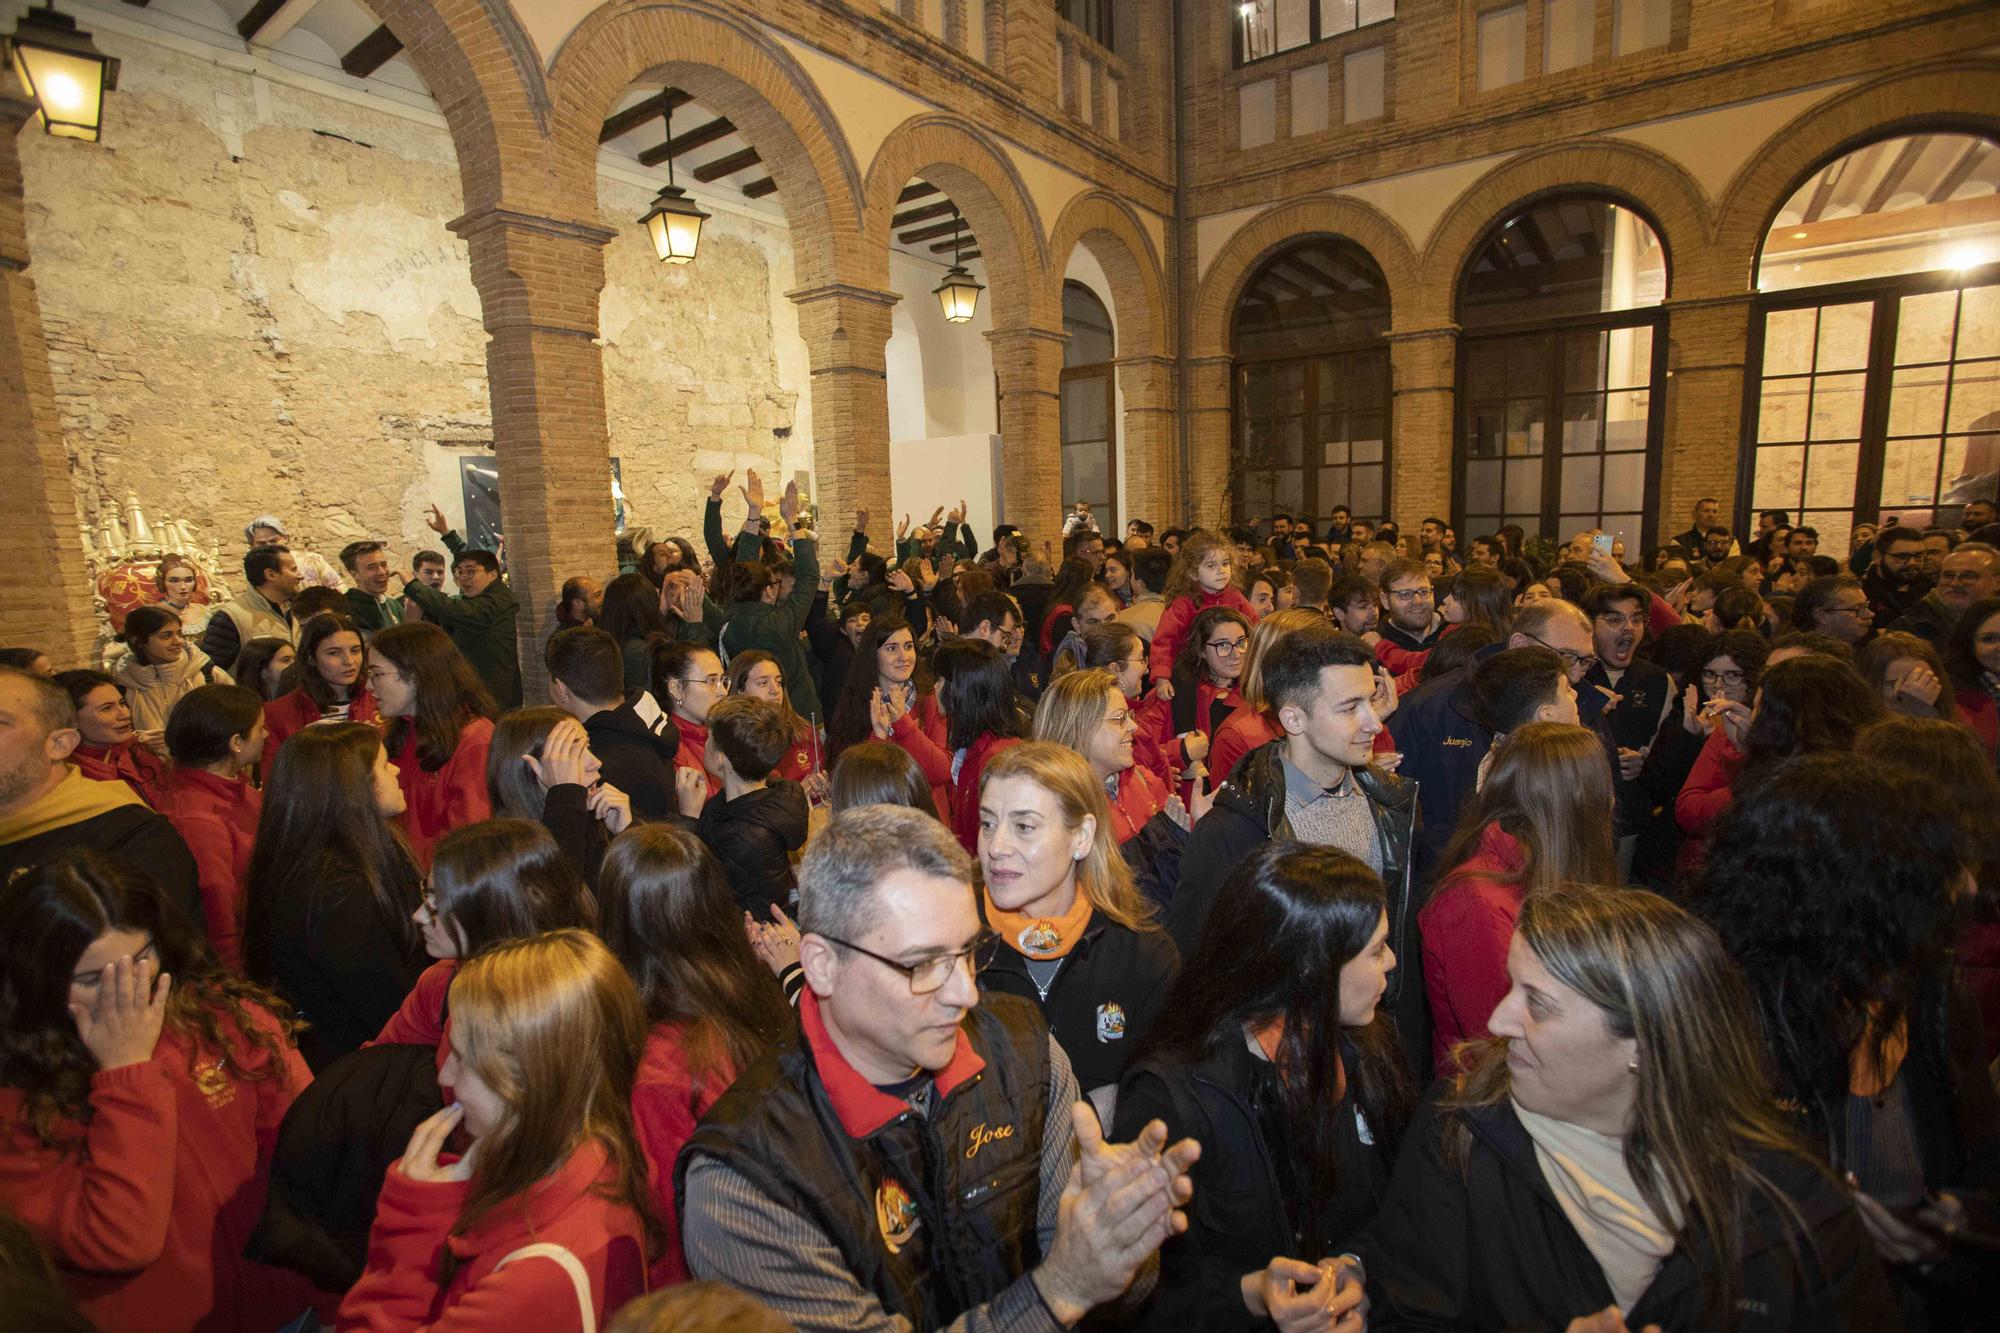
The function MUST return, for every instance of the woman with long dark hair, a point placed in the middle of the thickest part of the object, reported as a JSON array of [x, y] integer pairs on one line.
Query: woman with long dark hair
[[163, 667], [1728, 668], [890, 695], [1804, 705], [1910, 675], [1835, 885], [711, 1006], [540, 768], [1206, 680], [1972, 661], [504, 879], [982, 718], [140, 1089], [632, 616], [215, 736], [879, 773], [333, 680], [440, 724], [1617, 1144], [262, 663], [330, 889], [1073, 933], [1541, 819], [1272, 1052], [1065, 595], [545, 1221]]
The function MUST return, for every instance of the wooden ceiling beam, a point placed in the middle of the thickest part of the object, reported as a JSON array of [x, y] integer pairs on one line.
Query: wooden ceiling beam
[[917, 191], [931, 232], [758, 189], [640, 113], [372, 52], [698, 137], [269, 20], [916, 215], [726, 166], [1898, 172]]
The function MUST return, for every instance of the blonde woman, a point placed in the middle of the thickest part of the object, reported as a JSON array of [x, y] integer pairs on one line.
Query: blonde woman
[[1074, 934], [1256, 723], [543, 1222]]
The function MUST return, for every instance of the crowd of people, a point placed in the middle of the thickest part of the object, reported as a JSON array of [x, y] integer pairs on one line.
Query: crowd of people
[[1306, 925]]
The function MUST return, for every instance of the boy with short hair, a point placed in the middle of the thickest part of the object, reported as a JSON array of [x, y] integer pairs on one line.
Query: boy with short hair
[[756, 822]]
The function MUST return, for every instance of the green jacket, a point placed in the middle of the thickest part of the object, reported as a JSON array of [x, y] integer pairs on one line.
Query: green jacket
[[482, 627], [370, 615], [775, 626]]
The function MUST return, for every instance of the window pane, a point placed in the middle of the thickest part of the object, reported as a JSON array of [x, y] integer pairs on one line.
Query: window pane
[[1486, 371], [1843, 336], [1582, 426], [1288, 490], [1367, 432], [1570, 255], [1623, 528], [1836, 407], [1830, 475], [1332, 488], [1503, 47], [1975, 397], [1624, 481], [1909, 473], [1084, 414], [1482, 485], [1916, 401], [1291, 387], [1631, 358], [1524, 484], [1569, 28], [1781, 410], [1580, 477], [1780, 477], [1367, 491], [1979, 322], [1376, 11], [1524, 426], [1333, 451], [1583, 361], [1289, 436], [1788, 341], [1625, 421], [1363, 83], [1640, 25], [1257, 390], [1923, 327], [1336, 16], [1294, 22]]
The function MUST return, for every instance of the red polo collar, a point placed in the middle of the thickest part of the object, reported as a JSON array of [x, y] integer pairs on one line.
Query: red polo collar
[[862, 1107]]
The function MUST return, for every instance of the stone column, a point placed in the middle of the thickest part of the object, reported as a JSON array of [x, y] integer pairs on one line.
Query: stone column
[[1423, 366], [45, 591], [1028, 365], [1147, 383], [1209, 484], [846, 331], [1707, 341], [538, 281]]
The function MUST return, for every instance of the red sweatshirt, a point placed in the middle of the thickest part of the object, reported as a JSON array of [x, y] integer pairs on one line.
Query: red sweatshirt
[[666, 1103], [1466, 928], [1178, 619], [1156, 746], [1707, 792], [1141, 795], [452, 797], [965, 788], [148, 1218], [921, 731], [421, 1021], [217, 819], [1979, 711], [545, 1261], [1241, 732], [287, 715], [693, 750], [128, 762]]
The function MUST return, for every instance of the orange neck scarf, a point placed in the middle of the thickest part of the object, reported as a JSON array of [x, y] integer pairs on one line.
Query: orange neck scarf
[[1865, 1078], [1271, 1037], [1040, 937]]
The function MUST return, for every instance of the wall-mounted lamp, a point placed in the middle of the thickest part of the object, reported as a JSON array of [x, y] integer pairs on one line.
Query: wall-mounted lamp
[[65, 74]]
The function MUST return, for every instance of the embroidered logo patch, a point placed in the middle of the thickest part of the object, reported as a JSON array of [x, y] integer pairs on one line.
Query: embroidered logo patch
[[1110, 1021], [1039, 937], [896, 1214]]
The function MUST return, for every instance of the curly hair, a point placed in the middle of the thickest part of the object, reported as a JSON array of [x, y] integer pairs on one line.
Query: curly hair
[[1833, 890], [51, 914]]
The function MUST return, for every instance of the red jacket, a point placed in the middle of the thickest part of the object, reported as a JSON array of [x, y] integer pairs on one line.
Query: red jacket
[[805, 757], [1466, 928], [1178, 619], [421, 1021], [533, 1263], [921, 731], [1704, 796], [1047, 638], [287, 715], [965, 787], [1141, 795], [1981, 712], [147, 1221], [128, 762], [1241, 732], [217, 819], [693, 750], [665, 1105], [452, 797], [1207, 695], [1156, 746]]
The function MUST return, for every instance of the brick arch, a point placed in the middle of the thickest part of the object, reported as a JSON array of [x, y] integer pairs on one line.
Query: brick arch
[[1954, 96], [482, 71], [1650, 183], [1106, 227], [958, 158], [1214, 313], [730, 66]]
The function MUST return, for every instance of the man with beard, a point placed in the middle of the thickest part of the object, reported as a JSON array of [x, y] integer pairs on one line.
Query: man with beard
[[1356, 604], [1411, 620], [1969, 574], [1635, 694], [1715, 546], [1895, 583]]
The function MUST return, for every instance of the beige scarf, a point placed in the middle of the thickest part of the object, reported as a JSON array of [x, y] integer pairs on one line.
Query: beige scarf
[[1587, 1173]]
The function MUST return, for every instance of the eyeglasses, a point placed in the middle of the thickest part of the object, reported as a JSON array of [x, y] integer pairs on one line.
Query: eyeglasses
[[929, 976], [1228, 647], [714, 682], [1959, 576], [1574, 661], [1851, 609], [1117, 719], [1724, 678], [1412, 594]]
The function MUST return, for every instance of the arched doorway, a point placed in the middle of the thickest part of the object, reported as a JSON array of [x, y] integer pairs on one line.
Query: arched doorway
[[1089, 407], [1560, 364], [1876, 340], [1312, 386]]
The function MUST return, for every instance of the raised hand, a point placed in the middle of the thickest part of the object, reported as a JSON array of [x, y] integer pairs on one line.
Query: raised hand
[[776, 941], [861, 520], [690, 790], [564, 756], [936, 514], [612, 807], [903, 528], [1164, 689], [1691, 712], [881, 717], [721, 484], [753, 492], [1385, 693], [420, 1158], [901, 582], [788, 503], [1921, 686], [122, 1025], [437, 522], [1204, 801]]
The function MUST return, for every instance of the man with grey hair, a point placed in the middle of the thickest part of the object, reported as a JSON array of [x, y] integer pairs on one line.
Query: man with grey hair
[[1971, 573], [48, 807], [919, 1157]]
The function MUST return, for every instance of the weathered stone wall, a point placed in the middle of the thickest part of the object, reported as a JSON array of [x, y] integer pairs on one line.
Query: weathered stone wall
[[253, 305]]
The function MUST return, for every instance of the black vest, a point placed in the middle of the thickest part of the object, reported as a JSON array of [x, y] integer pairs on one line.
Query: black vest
[[934, 1214]]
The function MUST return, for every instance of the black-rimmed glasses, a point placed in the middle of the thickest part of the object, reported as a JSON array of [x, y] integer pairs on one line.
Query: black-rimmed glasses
[[929, 976]]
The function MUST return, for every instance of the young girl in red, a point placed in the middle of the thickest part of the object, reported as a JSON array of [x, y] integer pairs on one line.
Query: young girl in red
[[141, 1088], [543, 1222], [440, 727], [1200, 580]]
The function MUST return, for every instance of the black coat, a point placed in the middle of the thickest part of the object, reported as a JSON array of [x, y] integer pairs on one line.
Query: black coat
[[1489, 1248], [345, 965], [1248, 1184], [1442, 744], [635, 759], [753, 837], [1249, 811], [134, 838], [1104, 998]]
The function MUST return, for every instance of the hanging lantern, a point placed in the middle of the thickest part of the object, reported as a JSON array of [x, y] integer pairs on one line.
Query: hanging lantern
[[65, 74], [958, 294], [674, 221]]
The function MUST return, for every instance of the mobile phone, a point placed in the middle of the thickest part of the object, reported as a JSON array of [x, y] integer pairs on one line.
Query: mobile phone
[[1601, 543]]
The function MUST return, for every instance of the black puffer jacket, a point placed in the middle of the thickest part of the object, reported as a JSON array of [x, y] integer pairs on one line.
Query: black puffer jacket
[[753, 836], [1489, 1248]]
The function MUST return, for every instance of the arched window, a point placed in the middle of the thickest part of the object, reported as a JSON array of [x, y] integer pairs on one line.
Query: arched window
[[1558, 375], [1312, 386], [1089, 404], [1877, 342]]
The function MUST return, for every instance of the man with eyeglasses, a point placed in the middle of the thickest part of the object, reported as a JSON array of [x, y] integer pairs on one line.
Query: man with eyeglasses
[[1410, 617], [1969, 574], [1895, 582], [904, 1162], [1633, 696], [1836, 606]]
